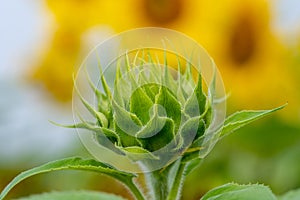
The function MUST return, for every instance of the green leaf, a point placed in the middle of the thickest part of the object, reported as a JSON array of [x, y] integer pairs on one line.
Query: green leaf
[[127, 121], [104, 106], [103, 81], [137, 153], [233, 191], [191, 130], [167, 78], [75, 164], [100, 116], [179, 92], [200, 94], [161, 139], [196, 103], [127, 62], [120, 94], [291, 195], [105, 137], [191, 107], [155, 73], [111, 135], [187, 82], [92, 85], [103, 101], [241, 118], [155, 124], [73, 195], [188, 73], [140, 104]]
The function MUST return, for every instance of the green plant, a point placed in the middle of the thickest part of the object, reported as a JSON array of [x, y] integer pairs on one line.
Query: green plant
[[160, 119]]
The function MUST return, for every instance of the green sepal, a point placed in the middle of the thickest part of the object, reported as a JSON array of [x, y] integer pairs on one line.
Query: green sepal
[[99, 116], [98, 93], [140, 105], [179, 92], [187, 82], [127, 140], [125, 120], [167, 78], [190, 131], [170, 104], [196, 103], [241, 118], [161, 139], [103, 81], [151, 89], [136, 153], [200, 94], [154, 125]]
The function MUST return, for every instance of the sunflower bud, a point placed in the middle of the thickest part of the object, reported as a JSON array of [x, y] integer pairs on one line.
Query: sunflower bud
[[155, 112], [151, 105]]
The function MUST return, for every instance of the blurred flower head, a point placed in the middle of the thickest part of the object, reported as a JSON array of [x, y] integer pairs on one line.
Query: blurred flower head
[[237, 34]]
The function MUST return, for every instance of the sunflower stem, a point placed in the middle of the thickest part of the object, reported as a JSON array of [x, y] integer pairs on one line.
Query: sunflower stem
[[133, 188], [157, 185], [175, 192], [167, 183]]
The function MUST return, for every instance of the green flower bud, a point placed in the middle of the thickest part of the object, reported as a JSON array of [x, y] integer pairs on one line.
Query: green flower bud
[[154, 111], [151, 105]]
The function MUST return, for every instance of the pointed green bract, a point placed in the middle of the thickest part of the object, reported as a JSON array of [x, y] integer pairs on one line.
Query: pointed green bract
[[151, 89], [137, 153], [99, 116], [92, 85], [103, 81], [170, 104], [201, 98], [140, 105], [241, 118], [190, 130], [154, 125], [127, 121], [161, 138]]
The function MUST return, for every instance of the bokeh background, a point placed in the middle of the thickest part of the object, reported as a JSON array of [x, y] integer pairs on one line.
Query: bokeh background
[[255, 43]]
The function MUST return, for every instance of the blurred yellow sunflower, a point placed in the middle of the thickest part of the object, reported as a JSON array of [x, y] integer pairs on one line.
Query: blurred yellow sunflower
[[236, 33], [253, 62], [74, 18]]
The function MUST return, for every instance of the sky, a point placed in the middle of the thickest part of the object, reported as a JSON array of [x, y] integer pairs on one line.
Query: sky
[[25, 131]]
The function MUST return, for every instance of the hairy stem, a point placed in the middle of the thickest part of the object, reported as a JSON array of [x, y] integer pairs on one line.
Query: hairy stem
[[157, 185], [166, 184], [135, 191], [183, 170], [176, 188]]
